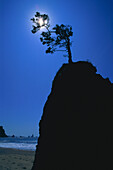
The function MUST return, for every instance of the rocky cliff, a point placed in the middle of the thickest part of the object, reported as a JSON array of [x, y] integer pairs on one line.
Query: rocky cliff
[[2, 132], [76, 128]]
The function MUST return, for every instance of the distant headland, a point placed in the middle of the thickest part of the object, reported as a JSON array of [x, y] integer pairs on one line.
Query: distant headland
[[2, 132]]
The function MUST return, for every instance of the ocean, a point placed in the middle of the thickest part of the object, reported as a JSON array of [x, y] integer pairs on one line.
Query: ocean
[[22, 143]]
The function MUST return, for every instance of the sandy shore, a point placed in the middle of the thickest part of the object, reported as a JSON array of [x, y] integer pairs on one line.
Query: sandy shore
[[12, 159]]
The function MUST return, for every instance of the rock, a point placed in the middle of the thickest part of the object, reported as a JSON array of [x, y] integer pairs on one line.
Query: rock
[[32, 136], [76, 128], [2, 132]]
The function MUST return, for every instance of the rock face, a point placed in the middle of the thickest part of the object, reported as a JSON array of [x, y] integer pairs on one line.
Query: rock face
[[76, 128], [2, 132]]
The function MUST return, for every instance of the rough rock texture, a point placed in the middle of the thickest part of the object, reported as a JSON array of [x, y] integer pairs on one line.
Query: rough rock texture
[[76, 128], [2, 132]]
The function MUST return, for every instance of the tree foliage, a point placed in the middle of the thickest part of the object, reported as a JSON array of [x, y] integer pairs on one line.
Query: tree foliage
[[58, 37]]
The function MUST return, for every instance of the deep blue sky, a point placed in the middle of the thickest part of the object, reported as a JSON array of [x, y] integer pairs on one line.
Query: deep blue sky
[[26, 72]]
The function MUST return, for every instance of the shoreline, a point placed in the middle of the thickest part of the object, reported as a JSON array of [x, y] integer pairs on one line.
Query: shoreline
[[16, 159], [15, 149]]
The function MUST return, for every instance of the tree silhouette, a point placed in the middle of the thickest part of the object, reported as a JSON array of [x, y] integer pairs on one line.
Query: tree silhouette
[[56, 38]]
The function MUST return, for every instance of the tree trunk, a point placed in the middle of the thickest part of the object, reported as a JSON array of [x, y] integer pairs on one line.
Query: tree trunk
[[69, 52]]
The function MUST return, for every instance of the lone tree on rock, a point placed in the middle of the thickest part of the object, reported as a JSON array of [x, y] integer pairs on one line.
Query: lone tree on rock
[[56, 38]]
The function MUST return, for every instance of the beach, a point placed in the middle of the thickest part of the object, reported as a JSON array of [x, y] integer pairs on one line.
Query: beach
[[14, 159]]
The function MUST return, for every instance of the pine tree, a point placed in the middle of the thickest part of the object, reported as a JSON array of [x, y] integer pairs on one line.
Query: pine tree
[[58, 37]]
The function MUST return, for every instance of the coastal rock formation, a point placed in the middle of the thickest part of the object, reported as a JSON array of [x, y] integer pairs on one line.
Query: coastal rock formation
[[76, 128], [2, 132]]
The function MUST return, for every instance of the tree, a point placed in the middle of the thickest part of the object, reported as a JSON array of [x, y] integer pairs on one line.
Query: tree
[[58, 37]]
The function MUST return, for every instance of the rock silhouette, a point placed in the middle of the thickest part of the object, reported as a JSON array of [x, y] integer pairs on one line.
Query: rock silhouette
[[76, 128], [2, 132]]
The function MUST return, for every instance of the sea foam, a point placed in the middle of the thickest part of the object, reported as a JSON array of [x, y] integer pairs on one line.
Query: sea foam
[[19, 143]]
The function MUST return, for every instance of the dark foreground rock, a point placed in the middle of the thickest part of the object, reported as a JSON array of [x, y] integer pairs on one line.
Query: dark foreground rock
[[76, 128], [2, 132]]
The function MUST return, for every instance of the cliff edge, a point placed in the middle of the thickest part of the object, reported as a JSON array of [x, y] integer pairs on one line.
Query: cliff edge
[[76, 128]]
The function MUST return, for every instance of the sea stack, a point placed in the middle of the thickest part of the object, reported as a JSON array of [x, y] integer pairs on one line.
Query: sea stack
[[2, 132], [76, 128]]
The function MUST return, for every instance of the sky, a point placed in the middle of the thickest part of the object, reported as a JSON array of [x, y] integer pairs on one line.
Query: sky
[[27, 72]]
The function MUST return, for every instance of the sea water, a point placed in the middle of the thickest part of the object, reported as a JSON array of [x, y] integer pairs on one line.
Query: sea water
[[22, 143]]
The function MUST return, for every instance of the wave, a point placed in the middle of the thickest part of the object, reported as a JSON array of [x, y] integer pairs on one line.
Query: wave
[[20, 146]]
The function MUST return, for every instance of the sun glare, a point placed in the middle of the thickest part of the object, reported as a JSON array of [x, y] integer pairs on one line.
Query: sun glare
[[41, 21]]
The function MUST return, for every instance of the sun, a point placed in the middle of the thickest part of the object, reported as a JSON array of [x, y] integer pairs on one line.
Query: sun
[[41, 22]]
